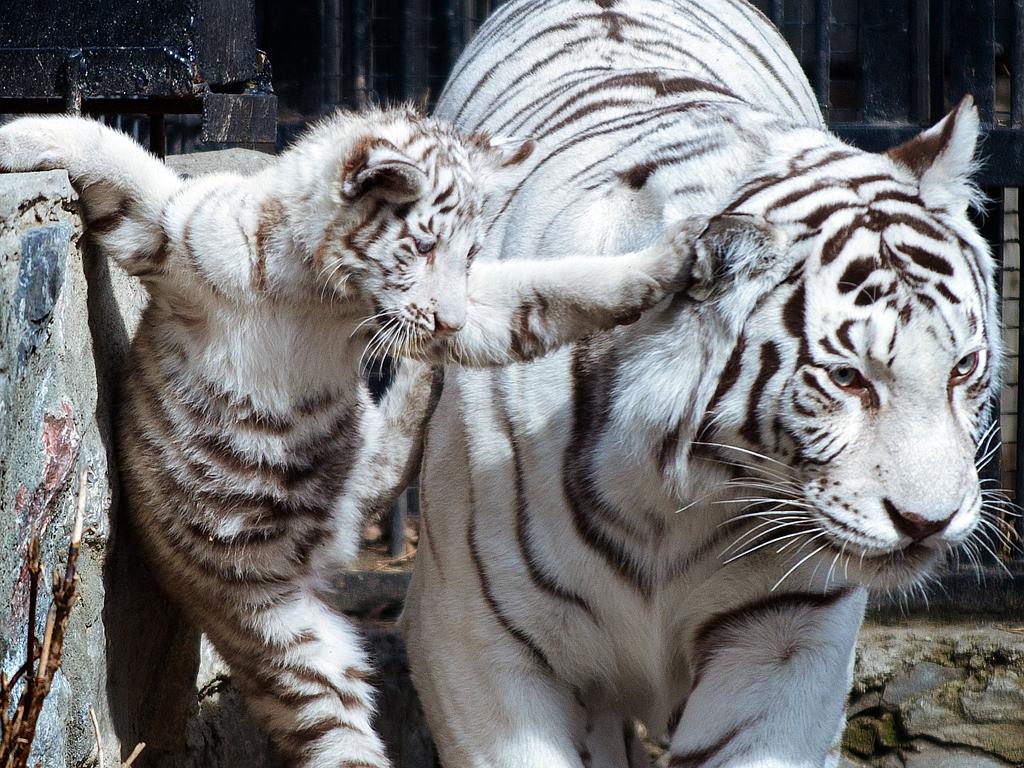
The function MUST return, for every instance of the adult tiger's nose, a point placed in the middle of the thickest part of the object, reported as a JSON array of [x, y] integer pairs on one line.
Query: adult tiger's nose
[[916, 527]]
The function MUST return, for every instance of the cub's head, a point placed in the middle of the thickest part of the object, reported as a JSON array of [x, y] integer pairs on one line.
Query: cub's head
[[407, 196], [862, 379]]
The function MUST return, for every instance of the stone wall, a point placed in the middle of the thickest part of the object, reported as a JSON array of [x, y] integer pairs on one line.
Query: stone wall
[[938, 695], [65, 321]]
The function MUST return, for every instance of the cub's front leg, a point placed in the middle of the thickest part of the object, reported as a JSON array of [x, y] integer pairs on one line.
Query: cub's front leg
[[398, 443], [123, 189], [770, 681], [519, 310]]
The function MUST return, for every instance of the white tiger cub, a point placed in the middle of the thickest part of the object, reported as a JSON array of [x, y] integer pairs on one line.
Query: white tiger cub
[[676, 521], [250, 449]]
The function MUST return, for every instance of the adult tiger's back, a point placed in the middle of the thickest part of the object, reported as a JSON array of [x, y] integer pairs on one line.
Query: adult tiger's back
[[675, 521], [582, 76]]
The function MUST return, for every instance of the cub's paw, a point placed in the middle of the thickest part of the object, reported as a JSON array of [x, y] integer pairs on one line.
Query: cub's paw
[[36, 144], [673, 256]]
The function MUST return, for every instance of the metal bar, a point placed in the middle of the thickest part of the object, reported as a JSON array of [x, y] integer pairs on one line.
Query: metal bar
[[1017, 66], [884, 45], [972, 39], [990, 225], [415, 53], [157, 135], [920, 39], [361, 53], [1002, 159], [779, 13], [823, 49], [937, 48], [330, 53], [1018, 476], [455, 38], [396, 525], [189, 106]]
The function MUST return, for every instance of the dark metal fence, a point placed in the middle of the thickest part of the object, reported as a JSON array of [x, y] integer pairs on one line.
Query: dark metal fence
[[881, 70], [150, 57]]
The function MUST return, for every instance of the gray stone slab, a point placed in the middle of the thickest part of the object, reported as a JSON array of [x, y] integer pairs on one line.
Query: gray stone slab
[[935, 756], [235, 160], [40, 192], [920, 679], [65, 320], [1001, 701]]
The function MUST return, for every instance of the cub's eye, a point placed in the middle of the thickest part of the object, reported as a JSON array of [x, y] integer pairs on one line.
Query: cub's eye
[[424, 247], [964, 367], [847, 378]]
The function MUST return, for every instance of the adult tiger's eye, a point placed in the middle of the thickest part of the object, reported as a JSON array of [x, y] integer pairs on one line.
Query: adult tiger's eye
[[844, 377], [425, 246], [965, 366]]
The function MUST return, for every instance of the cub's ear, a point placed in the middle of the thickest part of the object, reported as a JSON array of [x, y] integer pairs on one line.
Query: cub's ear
[[732, 245], [942, 158], [378, 169]]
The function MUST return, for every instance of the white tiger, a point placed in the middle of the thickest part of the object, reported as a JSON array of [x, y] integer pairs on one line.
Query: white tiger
[[677, 521]]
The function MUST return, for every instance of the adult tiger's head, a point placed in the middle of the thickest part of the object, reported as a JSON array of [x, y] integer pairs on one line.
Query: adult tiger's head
[[866, 370]]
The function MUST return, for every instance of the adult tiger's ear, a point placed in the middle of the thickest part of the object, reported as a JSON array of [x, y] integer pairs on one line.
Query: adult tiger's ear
[[375, 167], [942, 158], [729, 246]]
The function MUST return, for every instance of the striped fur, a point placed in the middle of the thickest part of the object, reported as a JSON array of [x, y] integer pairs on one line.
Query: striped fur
[[250, 448], [676, 521]]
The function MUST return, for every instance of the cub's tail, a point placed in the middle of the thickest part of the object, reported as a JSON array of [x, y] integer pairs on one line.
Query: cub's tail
[[123, 189]]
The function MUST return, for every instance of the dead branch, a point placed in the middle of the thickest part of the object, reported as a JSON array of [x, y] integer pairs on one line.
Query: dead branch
[[19, 728], [135, 753]]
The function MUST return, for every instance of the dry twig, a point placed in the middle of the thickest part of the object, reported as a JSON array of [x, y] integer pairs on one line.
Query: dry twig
[[18, 729], [135, 753], [96, 757]]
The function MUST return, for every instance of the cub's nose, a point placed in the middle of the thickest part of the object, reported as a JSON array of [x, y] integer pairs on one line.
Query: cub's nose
[[446, 327], [916, 527]]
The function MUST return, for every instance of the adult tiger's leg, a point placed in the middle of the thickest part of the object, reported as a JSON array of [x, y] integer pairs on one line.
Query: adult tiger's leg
[[490, 697], [770, 683], [488, 703]]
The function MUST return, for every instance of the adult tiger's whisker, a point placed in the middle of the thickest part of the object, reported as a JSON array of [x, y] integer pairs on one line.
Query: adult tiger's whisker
[[801, 562]]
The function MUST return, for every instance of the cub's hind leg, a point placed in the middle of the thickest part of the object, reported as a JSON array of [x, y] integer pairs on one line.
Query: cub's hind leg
[[305, 676], [770, 683]]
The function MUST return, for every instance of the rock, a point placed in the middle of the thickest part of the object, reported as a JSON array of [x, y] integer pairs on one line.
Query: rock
[[940, 720], [859, 737], [885, 761], [933, 756], [64, 326], [243, 161], [1001, 701], [863, 702], [919, 679]]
